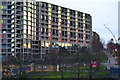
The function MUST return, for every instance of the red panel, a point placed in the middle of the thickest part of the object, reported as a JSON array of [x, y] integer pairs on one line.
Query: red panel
[[56, 52], [1, 35], [60, 35], [84, 42], [61, 40], [50, 34], [69, 41], [30, 37], [2, 26], [30, 32], [59, 32], [50, 38], [76, 41]]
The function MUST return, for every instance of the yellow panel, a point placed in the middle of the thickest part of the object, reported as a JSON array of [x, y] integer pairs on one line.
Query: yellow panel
[[24, 36], [30, 5], [60, 28], [68, 14], [49, 5], [29, 45], [83, 17], [25, 46], [68, 18], [59, 16], [42, 44], [50, 26], [84, 22], [68, 29], [76, 16], [30, 9], [59, 8], [50, 14], [77, 20], [1, 21], [2, 7]]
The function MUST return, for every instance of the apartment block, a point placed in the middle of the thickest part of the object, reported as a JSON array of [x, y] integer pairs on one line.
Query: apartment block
[[32, 29]]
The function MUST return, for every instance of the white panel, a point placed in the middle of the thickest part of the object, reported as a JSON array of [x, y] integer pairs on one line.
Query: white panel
[[12, 30], [12, 40], [12, 35], [12, 50]]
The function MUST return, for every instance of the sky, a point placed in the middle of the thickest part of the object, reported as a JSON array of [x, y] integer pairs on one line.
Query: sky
[[102, 12]]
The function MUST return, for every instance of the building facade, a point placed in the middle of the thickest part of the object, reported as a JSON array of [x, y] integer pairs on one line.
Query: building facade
[[31, 29], [95, 42]]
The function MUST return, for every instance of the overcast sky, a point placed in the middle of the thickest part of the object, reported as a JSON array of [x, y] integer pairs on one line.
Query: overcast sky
[[102, 12]]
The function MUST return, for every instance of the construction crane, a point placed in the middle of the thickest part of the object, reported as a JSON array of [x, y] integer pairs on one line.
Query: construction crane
[[111, 33]]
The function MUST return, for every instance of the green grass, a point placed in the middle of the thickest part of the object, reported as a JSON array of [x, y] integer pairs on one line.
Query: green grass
[[84, 74], [102, 74], [76, 68]]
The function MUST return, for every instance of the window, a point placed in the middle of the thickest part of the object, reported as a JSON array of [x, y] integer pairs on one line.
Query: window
[[25, 31], [42, 5], [9, 40], [4, 41], [5, 7], [5, 35], [5, 26], [5, 21], [5, 11], [24, 45], [3, 50], [25, 22]]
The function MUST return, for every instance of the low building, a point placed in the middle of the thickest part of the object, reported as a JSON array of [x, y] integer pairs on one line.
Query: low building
[[95, 42]]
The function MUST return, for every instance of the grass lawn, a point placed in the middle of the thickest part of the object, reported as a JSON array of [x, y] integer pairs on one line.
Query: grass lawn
[[84, 73]]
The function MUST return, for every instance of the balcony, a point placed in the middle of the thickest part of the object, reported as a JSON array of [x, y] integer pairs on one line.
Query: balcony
[[44, 9], [19, 13], [19, 22]]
